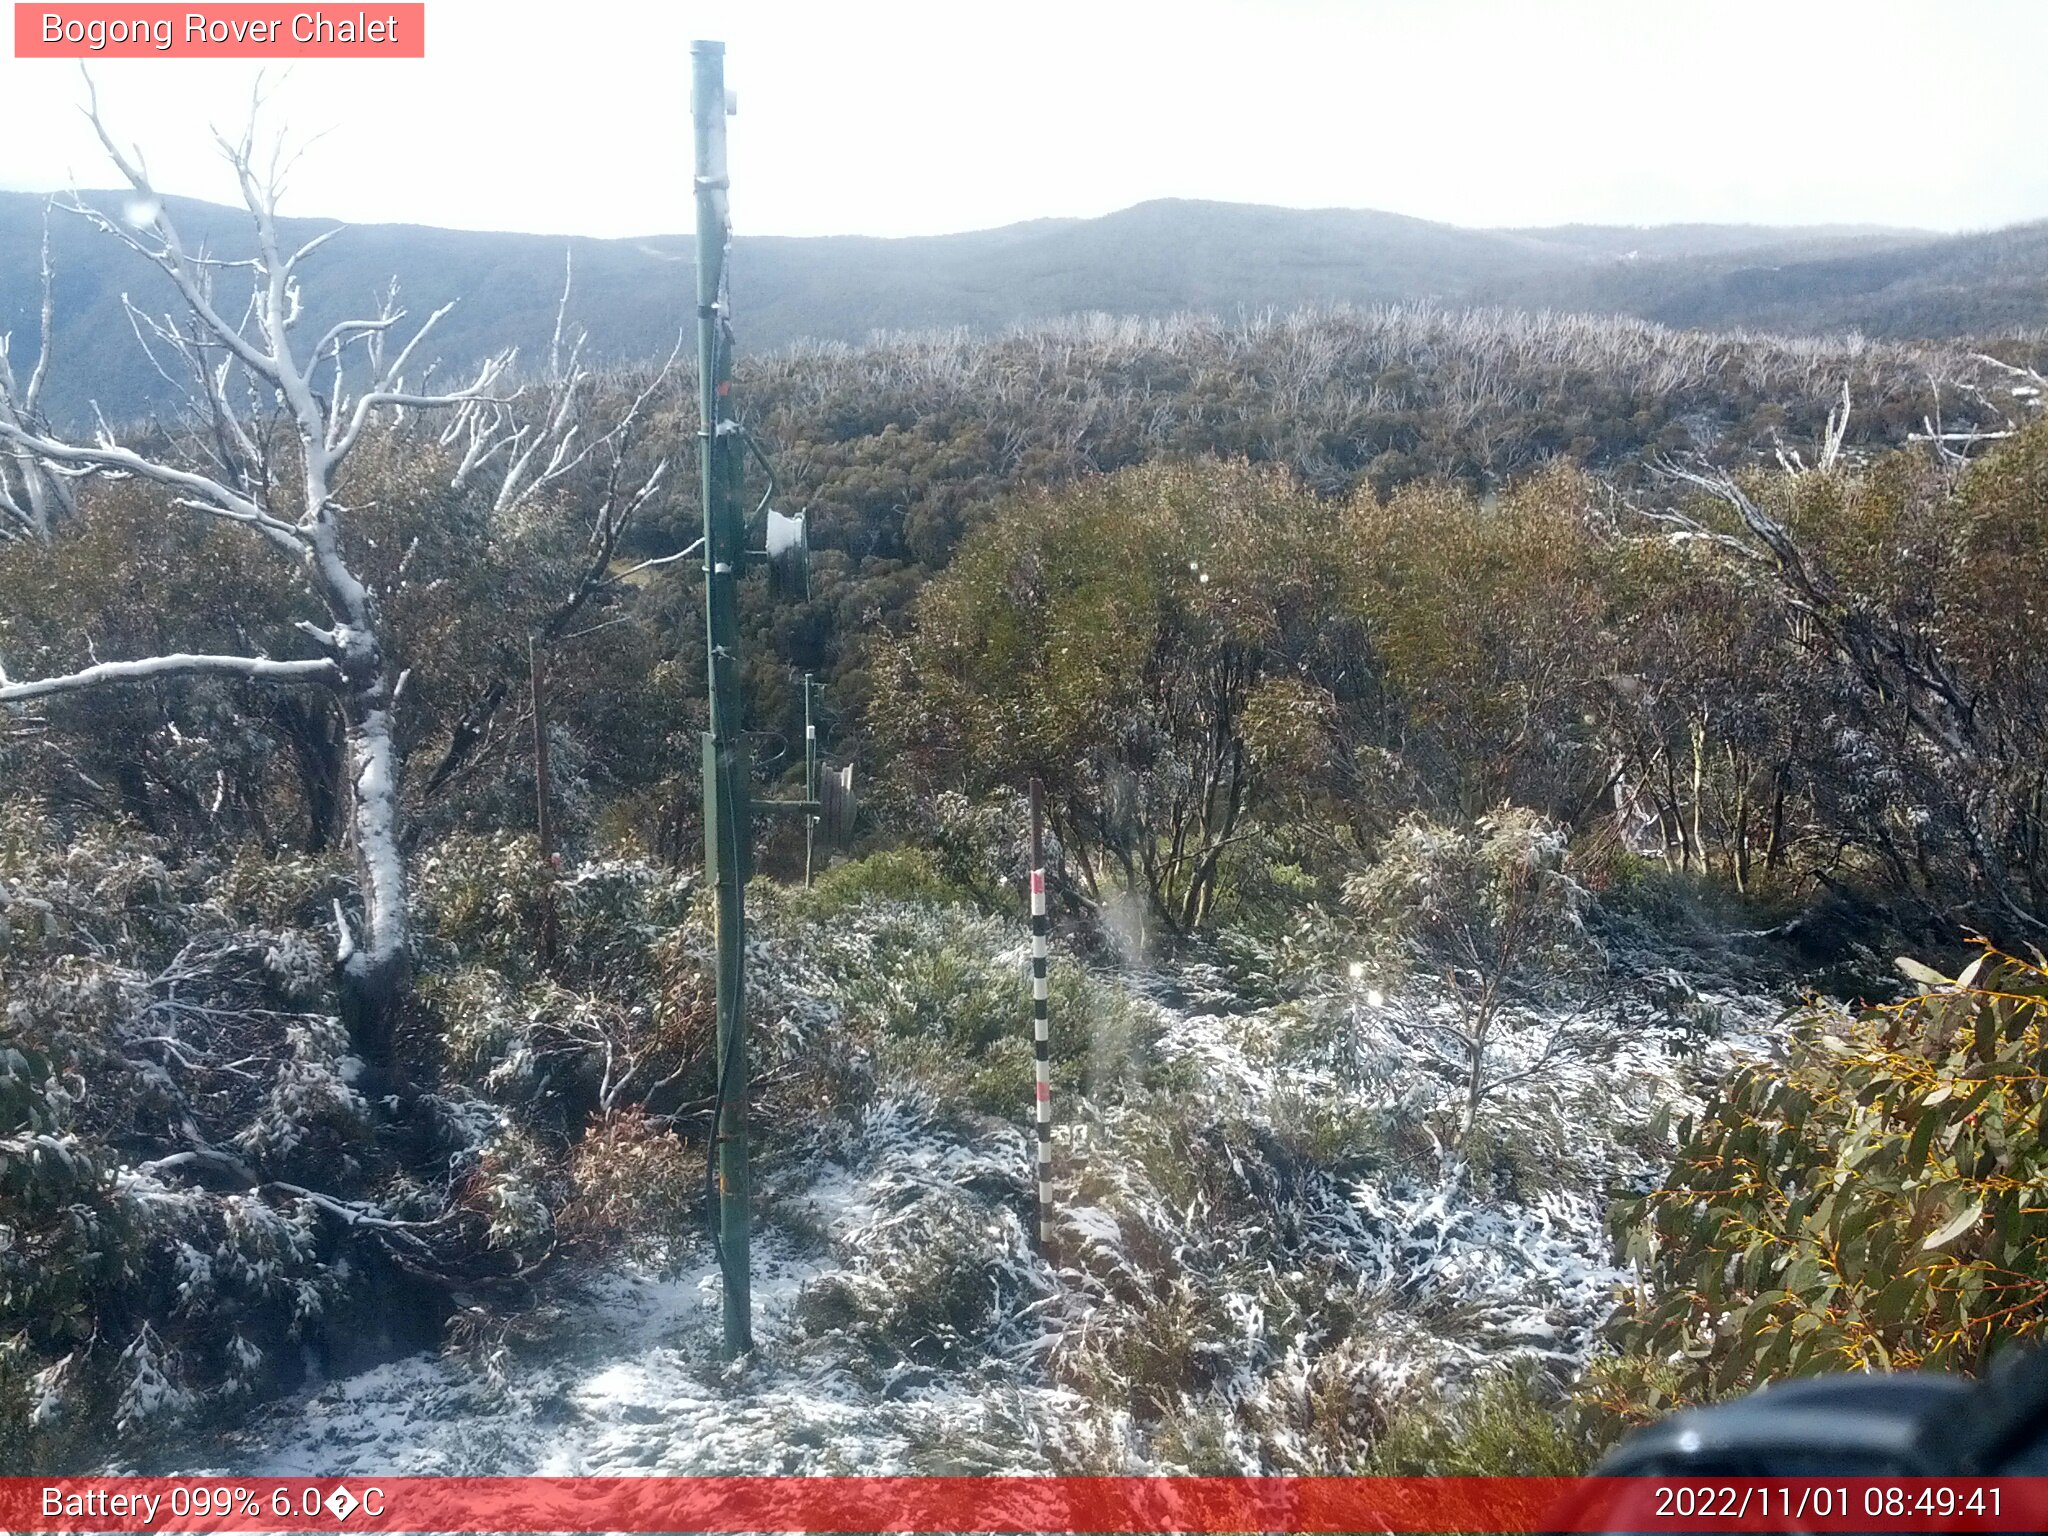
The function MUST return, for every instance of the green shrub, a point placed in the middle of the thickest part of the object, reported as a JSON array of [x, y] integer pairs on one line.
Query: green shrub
[[1515, 1423], [1877, 1199], [1618, 1393], [896, 874]]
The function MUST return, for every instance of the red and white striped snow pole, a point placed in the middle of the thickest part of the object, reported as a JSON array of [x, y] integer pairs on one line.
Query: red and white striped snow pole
[[1041, 1035]]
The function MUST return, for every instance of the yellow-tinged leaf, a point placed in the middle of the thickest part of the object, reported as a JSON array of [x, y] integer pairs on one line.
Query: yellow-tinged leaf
[[1965, 1219], [1913, 970]]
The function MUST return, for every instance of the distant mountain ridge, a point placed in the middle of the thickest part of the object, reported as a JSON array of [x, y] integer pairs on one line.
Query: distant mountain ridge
[[1168, 256]]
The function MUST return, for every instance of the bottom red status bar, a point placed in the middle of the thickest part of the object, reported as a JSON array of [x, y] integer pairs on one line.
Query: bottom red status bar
[[1020, 1504]]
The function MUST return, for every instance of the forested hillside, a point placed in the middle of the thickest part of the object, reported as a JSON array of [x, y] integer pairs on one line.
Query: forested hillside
[[1154, 260], [1493, 762]]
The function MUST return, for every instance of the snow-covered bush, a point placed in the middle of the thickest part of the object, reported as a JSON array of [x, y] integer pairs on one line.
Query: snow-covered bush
[[312, 1124], [562, 993], [1215, 1301], [510, 1181], [1316, 1411], [933, 1286], [942, 995], [169, 1072], [1493, 918], [489, 899]]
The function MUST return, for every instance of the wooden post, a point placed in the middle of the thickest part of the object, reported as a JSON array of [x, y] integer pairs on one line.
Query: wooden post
[[810, 779], [544, 795]]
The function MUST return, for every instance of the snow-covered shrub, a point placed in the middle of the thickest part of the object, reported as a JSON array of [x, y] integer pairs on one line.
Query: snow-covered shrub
[[1224, 1315], [617, 1016], [291, 894], [1279, 960], [1348, 1136], [99, 891], [171, 1075], [130, 1304], [614, 913], [1314, 1412], [981, 846], [535, 1047], [943, 995], [933, 1285], [1494, 917], [485, 896], [489, 899], [313, 1124], [511, 1181]]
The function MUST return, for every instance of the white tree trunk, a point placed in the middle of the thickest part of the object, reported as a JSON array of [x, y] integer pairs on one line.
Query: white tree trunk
[[374, 964]]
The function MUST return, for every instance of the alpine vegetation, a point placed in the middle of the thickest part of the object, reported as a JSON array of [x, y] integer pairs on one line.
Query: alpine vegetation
[[1506, 777]]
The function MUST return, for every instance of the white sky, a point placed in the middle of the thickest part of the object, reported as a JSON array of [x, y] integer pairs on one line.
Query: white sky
[[874, 117]]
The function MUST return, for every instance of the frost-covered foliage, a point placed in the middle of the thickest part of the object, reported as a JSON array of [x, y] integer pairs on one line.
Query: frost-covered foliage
[[940, 994], [1493, 920], [201, 1205], [1261, 1260], [171, 1072]]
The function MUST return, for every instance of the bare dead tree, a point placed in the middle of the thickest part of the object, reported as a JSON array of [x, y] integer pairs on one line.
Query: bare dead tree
[[1953, 445], [33, 495], [281, 488], [1901, 669], [531, 446]]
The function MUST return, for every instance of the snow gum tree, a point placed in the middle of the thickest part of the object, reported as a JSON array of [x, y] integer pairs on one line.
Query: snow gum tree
[[274, 416], [1152, 644]]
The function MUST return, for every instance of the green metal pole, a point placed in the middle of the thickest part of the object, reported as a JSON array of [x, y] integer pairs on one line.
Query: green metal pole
[[727, 814]]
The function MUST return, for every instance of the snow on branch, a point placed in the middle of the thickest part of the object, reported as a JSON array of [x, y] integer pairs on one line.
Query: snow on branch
[[202, 492], [547, 444], [259, 342], [178, 664], [31, 498]]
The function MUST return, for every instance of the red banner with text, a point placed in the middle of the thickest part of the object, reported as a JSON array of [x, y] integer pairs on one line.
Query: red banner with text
[[388, 31], [1020, 1504]]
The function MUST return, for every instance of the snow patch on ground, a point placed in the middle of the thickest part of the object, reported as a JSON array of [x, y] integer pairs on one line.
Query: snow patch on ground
[[1461, 1267]]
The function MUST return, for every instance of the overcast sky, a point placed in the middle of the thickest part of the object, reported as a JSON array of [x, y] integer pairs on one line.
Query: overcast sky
[[872, 117]]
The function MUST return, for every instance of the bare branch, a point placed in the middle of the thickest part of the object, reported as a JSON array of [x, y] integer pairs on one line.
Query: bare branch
[[43, 497], [150, 669], [31, 397], [201, 492]]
